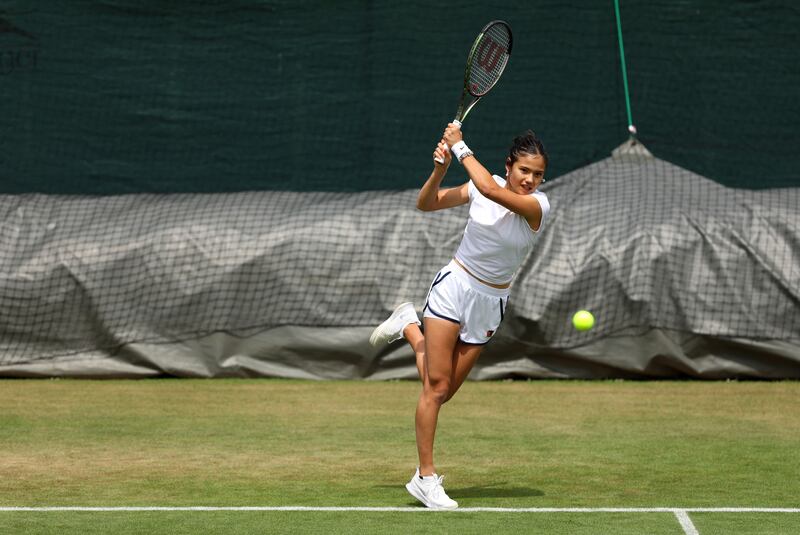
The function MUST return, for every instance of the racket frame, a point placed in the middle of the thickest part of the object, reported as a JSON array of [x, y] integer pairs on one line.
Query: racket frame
[[463, 110]]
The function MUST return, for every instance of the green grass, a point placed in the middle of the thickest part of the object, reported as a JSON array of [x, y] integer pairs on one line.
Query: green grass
[[325, 522], [500, 444], [747, 523]]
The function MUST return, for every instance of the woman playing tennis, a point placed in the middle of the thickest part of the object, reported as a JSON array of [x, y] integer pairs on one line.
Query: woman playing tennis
[[468, 297]]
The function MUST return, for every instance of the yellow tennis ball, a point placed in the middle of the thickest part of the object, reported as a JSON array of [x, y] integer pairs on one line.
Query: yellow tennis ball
[[583, 320]]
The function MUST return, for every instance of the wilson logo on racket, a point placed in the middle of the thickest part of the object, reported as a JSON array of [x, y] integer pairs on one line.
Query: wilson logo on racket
[[488, 59]]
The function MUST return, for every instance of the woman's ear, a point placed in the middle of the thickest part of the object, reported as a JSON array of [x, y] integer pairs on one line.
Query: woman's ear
[[508, 166]]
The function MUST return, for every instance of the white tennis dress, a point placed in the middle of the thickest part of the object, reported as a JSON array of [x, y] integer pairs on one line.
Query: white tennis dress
[[496, 241]]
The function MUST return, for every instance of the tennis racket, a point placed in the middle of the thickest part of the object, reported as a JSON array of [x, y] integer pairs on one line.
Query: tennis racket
[[485, 64]]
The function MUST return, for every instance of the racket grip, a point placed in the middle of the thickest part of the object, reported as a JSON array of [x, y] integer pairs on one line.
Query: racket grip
[[458, 124]]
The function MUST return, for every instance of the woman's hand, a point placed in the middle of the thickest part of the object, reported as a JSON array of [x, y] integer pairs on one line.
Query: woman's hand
[[452, 135], [442, 153]]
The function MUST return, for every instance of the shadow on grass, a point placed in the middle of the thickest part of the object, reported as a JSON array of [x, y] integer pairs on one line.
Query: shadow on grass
[[493, 490]]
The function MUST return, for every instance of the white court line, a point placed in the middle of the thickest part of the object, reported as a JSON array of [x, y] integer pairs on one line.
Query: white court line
[[686, 523], [674, 510]]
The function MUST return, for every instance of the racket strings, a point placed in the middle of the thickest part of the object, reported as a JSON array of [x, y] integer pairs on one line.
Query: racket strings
[[489, 59]]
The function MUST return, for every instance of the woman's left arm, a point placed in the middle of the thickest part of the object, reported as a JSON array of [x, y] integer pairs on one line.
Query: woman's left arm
[[525, 205]]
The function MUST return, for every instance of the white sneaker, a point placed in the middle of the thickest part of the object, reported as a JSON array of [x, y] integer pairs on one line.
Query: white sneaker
[[392, 329], [430, 492]]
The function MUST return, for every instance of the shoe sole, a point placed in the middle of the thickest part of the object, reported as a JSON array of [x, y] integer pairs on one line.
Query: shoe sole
[[421, 497], [378, 332]]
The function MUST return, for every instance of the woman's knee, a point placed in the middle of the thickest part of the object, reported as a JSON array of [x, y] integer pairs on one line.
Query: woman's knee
[[438, 390]]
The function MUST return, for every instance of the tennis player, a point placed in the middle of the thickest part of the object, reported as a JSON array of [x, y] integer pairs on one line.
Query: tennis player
[[468, 297]]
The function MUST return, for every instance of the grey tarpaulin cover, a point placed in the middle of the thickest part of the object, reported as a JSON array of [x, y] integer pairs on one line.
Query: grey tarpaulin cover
[[685, 277]]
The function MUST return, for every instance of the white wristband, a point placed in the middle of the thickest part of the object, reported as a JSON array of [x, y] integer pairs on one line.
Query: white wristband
[[460, 150]]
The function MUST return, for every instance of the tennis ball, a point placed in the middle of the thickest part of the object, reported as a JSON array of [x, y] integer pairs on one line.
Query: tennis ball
[[583, 320]]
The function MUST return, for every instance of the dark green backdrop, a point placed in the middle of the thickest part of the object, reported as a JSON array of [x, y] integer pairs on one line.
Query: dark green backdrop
[[120, 96]]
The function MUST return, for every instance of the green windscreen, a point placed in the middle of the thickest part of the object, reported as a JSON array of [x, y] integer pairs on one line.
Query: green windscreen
[[119, 96]]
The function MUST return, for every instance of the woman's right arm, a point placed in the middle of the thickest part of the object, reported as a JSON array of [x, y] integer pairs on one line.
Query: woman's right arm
[[431, 197]]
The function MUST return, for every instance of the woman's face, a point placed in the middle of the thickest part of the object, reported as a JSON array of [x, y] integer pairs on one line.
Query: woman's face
[[525, 174]]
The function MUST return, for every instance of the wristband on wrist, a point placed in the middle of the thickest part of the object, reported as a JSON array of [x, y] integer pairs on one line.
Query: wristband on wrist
[[460, 150]]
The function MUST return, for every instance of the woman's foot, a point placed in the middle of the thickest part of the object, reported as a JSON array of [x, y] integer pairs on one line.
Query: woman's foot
[[392, 329]]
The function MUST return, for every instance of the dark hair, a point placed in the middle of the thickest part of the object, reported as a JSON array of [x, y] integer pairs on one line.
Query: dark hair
[[527, 143]]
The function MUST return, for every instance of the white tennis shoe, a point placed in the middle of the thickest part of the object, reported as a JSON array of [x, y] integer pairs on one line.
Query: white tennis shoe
[[430, 492], [392, 329]]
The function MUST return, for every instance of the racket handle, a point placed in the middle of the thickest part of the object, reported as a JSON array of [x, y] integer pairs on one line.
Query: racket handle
[[441, 160]]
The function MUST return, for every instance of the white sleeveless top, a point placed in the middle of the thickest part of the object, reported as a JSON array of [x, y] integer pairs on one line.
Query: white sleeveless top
[[496, 240]]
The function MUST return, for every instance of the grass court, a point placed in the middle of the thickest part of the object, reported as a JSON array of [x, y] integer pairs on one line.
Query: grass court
[[281, 456]]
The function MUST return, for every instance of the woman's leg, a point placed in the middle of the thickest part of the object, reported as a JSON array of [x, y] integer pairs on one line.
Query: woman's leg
[[464, 357], [440, 340], [415, 338]]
